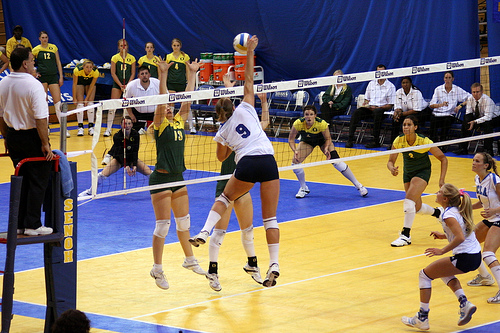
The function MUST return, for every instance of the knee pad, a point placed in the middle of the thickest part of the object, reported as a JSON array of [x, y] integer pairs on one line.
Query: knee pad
[[247, 235], [217, 237], [424, 282], [183, 223], [489, 257], [409, 206], [222, 198], [447, 279], [161, 228], [334, 155], [271, 223], [340, 166]]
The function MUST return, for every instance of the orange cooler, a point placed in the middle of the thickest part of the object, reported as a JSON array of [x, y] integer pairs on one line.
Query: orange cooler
[[221, 64], [206, 67], [240, 62]]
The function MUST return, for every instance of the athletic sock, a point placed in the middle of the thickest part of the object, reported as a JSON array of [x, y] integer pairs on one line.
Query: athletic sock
[[426, 210], [157, 268], [495, 271], [406, 232], [274, 250], [301, 176], [347, 173], [212, 219], [483, 271]]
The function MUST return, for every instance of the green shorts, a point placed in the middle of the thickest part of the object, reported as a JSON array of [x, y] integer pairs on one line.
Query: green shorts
[[162, 178], [177, 87], [425, 174], [49, 79]]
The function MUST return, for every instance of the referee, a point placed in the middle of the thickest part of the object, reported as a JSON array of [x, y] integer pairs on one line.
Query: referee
[[143, 86], [23, 123]]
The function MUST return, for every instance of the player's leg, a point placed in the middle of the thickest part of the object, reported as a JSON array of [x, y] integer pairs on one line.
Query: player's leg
[[303, 150], [483, 278], [161, 205], [269, 196], [234, 189], [414, 190], [491, 245], [213, 249], [115, 93], [55, 92], [90, 112], [180, 207], [243, 208], [344, 169], [78, 98]]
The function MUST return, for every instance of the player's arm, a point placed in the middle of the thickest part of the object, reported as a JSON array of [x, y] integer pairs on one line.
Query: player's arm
[[192, 67], [222, 152], [264, 118], [291, 138], [444, 163], [391, 164], [132, 72], [59, 69], [75, 83], [112, 70], [248, 94], [90, 90], [5, 61], [3, 130], [162, 108], [328, 145], [455, 228]]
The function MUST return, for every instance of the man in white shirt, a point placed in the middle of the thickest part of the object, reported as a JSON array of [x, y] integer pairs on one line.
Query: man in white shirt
[[144, 85], [23, 123], [479, 114], [379, 98]]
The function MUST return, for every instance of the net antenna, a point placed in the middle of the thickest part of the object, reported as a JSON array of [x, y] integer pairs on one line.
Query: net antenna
[[123, 121]]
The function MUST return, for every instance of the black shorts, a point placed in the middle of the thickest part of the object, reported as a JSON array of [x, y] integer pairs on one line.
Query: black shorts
[[490, 224], [314, 142], [257, 168], [466, 262]]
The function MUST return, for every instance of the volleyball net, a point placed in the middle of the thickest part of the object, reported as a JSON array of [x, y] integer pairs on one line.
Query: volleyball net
[[200, 158]]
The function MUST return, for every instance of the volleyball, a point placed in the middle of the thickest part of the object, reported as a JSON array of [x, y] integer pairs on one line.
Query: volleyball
[[240, 42]]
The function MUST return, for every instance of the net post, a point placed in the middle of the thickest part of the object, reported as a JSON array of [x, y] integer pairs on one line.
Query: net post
[[64, 128]]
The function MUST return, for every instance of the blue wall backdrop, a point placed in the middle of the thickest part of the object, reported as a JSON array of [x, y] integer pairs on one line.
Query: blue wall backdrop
[[493, 21], [298, 39]]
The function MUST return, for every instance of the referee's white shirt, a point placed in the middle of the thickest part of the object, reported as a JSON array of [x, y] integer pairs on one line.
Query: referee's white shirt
[[380, 94], [134, 89], [487, 109], [455, 96], [22, 101]]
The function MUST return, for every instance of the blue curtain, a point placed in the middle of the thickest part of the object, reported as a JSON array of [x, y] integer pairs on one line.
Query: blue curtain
[[298, 39], [493, 21]]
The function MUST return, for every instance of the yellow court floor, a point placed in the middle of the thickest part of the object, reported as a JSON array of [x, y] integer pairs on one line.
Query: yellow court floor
[[338, 271]]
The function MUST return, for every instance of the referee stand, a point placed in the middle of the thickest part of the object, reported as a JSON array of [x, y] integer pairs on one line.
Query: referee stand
[[60, 248]]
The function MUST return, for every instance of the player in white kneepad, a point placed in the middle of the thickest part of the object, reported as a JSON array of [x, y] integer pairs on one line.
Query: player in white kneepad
[[161, 228]]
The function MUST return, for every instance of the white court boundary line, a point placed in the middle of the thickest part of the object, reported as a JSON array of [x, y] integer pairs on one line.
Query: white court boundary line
[[281, 285]]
